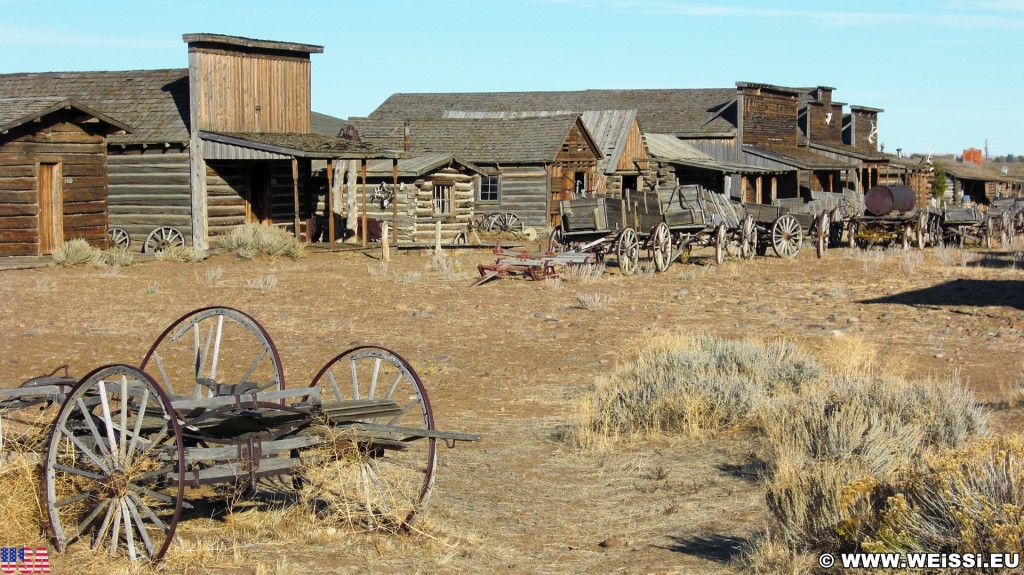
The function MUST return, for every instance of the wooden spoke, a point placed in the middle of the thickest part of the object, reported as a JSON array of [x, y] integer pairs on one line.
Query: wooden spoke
[[405, 486], [920, 231], [85, 482], [787, 236], [163, 238], [661, 247], [748, 237], [720, 241], [555, 242], [851, 233], [119, 238], [219, 348], [627, 251], [821, 235]]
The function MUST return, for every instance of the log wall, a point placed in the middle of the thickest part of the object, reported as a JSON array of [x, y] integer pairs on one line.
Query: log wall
[[81, 153], [769, 118], [149, 189]]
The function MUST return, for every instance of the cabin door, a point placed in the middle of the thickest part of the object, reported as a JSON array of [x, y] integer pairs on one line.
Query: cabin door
[[257, 195], [51, 208]]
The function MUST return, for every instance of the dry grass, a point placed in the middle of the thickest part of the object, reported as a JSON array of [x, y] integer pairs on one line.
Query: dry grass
[[181, 254], [263, 284], [444, 267], [583, 273], [594, 301], [75, 252], [119, 257], [211, 277], [250, 240], [376, 270], [910, 261]]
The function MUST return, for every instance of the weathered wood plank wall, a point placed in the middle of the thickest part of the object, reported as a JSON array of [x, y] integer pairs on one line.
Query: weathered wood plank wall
[[149, 189]]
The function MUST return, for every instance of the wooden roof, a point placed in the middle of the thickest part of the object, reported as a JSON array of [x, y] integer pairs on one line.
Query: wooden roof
[[153, 102], [252, 43], [970, 171], [417, 166], [856, 152], [17, 111], [609, 128], [483, 140], [798, 157], [679, 111], [671, 149], [326, 125], [300, 145]]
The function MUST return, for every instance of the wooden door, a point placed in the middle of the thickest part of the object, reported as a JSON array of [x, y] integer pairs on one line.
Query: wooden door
[[51, 208], [257, 194]]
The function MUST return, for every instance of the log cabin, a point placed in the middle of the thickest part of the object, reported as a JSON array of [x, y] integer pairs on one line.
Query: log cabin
[[53, 174], [528, 164], [227, 140]]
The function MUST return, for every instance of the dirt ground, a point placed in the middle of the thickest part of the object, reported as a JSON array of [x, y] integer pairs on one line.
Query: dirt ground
[[509, 359]]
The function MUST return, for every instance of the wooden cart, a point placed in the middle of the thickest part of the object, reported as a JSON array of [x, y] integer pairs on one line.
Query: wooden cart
[[208, 405]]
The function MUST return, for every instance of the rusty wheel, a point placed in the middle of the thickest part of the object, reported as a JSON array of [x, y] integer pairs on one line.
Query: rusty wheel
[[214, 351], [381, 470], [113, 466]]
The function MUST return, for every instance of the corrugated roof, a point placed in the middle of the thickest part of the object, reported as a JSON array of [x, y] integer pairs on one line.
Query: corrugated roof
[[484, 140], [670, 148], [416, 166], [609, 128], [17, 111], [153, 102], [689, 111]]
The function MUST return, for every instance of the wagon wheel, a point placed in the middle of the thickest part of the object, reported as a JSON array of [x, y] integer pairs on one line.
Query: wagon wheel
[[821, 245], [119, 238], [989, 232], [555, 242], [482, 222], [381, 478], [661, 247], [507, 222], [851, 234], [1004, 229], [748, 239], [162, 238], [627, 251], [908, 232], [219, 350], [920, 235], [113, 468], [787, 236], [835, 219], [720, 240]]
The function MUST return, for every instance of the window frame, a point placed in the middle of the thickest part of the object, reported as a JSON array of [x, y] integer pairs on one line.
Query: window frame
[[480, 189], [447, 199]]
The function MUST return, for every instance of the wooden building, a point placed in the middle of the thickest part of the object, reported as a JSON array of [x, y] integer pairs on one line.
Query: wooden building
[[430, 188], [527, 164], [981, 184], [53, 174], [225, 141]]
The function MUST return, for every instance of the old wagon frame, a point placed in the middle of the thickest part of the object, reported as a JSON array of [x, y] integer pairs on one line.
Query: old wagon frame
[[208, 405]]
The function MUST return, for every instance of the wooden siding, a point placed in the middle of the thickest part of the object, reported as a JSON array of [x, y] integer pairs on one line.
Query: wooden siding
[[81, 155], [524, 192], [225, 195], [416, 218], [149, 190], [235, 92], [861, 122], [830, 133], [769, 119], [634, 148], [721, 149]]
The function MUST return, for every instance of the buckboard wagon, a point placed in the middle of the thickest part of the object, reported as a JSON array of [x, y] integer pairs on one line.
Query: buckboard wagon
[[208, 405]]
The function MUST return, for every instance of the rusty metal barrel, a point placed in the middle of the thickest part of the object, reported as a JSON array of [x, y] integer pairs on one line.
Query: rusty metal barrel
[[883, 200]]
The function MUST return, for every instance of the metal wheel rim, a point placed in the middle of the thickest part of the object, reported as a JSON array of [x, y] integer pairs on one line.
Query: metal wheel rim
[[162, 238], [627, 251], [340, 378], [119, 238], [100, 451], [787, 237], [196, 362], [720, 244]]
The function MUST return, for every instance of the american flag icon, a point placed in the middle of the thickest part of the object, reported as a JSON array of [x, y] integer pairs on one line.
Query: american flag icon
[[24, 560]]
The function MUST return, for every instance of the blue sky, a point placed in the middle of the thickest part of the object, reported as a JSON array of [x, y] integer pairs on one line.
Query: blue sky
[[947, 73]]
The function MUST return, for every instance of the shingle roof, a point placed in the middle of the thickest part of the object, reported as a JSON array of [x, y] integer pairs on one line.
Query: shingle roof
[[969, 171], [609, 128], [301, 145], [416, 166], [858, 152], [689, 111], [326, 125], [153, 102], [487, 140], [17, 111]]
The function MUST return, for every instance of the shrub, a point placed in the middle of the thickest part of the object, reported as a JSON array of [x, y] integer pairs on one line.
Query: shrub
[[262, 284], [181, 254], [75, 252], [593, 301], [583, 273], [117, 257], [250, 240]]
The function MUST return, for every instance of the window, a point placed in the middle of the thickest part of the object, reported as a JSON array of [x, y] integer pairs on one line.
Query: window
[[442, 199], [489, 189]]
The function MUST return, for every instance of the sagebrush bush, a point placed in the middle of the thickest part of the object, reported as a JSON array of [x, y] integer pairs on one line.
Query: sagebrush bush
[[250, 240], [75, 252], [120, 257], [181, 254], [690, 385]]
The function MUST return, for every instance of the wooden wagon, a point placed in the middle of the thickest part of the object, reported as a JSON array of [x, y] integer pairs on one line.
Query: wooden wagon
[[208, 405], [599, 226]]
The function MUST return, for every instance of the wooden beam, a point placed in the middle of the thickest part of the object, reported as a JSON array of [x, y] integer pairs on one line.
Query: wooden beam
[[362, 173], [330, 200], [197, 165], [295, 192], [394, 201]]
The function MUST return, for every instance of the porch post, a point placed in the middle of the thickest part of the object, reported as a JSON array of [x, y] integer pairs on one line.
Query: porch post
[[330, 200], [394, 202], [295, 192], [362, 170]]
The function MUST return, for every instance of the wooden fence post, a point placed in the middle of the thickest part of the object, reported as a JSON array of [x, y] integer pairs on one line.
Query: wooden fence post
[[385, 249], [437, 237]]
